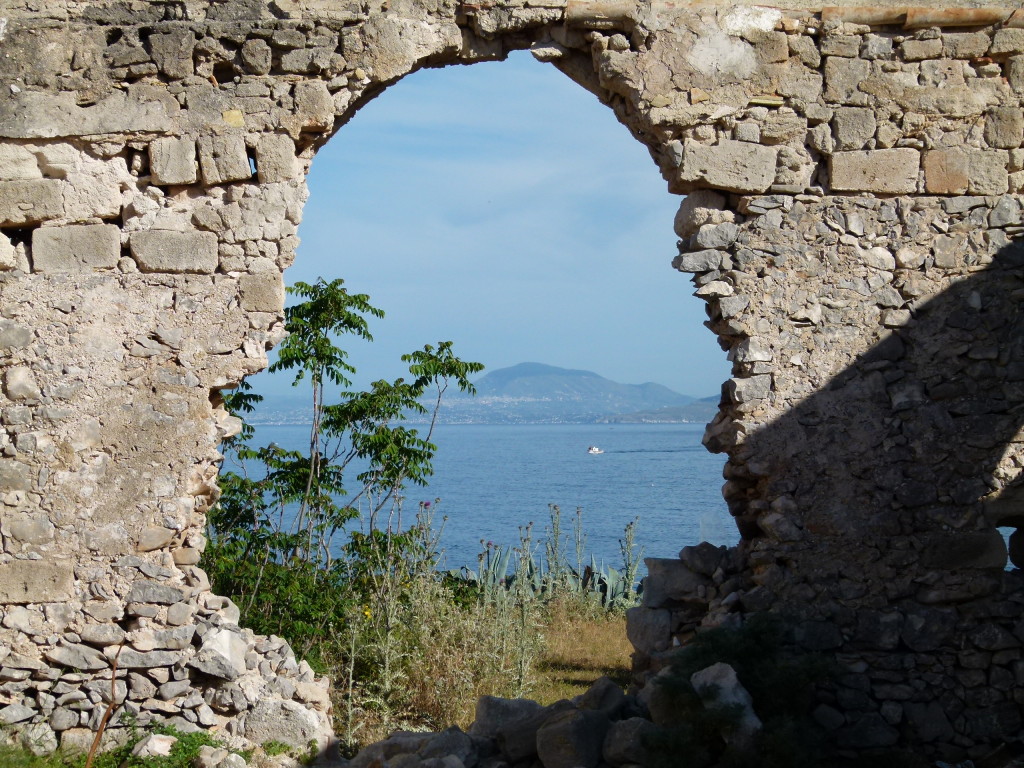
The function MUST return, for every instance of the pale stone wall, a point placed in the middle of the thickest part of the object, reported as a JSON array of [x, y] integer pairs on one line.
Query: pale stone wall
[[853, 178]]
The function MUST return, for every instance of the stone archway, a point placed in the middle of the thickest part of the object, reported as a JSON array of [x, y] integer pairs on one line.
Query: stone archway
[[853, 178]]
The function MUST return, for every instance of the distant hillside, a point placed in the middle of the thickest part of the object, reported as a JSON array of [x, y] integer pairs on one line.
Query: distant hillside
[[534, 392], [538, 393]]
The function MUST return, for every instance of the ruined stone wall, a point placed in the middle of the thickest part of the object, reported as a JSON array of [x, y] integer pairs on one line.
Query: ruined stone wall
[[853, 179]]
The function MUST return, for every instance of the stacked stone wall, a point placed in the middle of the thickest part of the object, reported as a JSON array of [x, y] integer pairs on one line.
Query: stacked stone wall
[[853, 180]]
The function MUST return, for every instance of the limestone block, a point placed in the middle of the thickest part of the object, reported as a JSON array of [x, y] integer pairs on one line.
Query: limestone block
[[262, 293], [314, 105], [275, 158], [964, 45], [885, 171], [172, 161], [748, 389], [17, 163], [172, 52], [155, 537], [986, 172], [222, 655], [700, 207], [223, 159], [572, 738], [719, 688], [30, 202], [917, 50], [670, 582], [842, 78], [165, 251], [76, 248], [144, 591], [648, 630], [33, 581], [30, 529], [699, 261], [256, 56], [286, 721], [1006, 41], [733, 166], [945, 172], [1004, 127], [853, 126], [20, 383], [13, 335], [76, 656]]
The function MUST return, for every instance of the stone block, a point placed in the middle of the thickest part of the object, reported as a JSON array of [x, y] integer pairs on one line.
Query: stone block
[[986, 172], [842, 78], [1006, 41], [749, 389], [314, 105], [30, 202], [945, 172], [853, 126], [17, 163], [733, 166], [285, 721], [256, 56], [670, 583], [172, 52], [20, 383], [177, 252], [953, 551], [13, 335], [884, 171], [648, 630], [263, 292], [572, 738], [172, 161], [222, 654], [964, 45], [699, 261], [1004, 127], [34, 581], [76, 248], [275, 158], [918, 50], [223, 159]]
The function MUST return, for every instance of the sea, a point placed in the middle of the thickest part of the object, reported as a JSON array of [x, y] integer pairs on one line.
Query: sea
[[491, 480]]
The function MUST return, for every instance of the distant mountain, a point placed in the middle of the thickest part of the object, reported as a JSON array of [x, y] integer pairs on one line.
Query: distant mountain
[[534, 392], [537, 393]]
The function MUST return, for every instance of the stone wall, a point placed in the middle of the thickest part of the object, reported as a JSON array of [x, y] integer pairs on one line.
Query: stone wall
[[853, 179]]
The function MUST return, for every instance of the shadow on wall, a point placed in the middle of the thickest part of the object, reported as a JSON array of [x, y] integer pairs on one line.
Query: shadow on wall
[[920, 437]]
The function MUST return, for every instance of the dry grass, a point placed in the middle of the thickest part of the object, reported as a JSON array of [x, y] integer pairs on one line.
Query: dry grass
[[580, 647]]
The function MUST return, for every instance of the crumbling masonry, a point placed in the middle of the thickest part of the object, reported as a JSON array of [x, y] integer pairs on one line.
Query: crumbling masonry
[[853, 178]]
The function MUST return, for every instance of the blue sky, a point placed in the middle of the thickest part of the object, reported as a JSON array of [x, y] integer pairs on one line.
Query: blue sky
[[502, 206]]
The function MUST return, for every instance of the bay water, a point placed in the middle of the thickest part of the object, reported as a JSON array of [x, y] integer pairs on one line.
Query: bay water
[[491, 479]]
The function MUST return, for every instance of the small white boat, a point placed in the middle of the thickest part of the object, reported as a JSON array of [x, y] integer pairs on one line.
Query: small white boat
[[594, 449]]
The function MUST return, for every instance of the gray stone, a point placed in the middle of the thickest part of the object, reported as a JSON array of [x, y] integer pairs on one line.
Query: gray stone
[[733, 166], [699, 261], [986, 172], [172, 52], [26, 581], [13, 335], [18, 164], [284, 721], [102, 634], [314, 105], [1004, 127], [62, 719], [256, 56], [155, 537], [224, 159], [926, 630], [166, 251], [747, 390], [670, 583], [853, 127], [222, 654], [604, 695], [717, 235], [886, 171], [843, 78], [627, 742], [144, 591], [30, 202], [492, 713], [20, 383], [172, 161], [700, 207], [77, 656], [15, 713], [275, 159], [648, 630], [131, 659], [76, 248], [719, 688], [572, 739], [868, 732]]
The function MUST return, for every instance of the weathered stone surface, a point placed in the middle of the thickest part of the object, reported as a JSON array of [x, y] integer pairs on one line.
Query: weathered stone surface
[[165, 251], [223, 159], [648, 629], [77, 656], [172, 161], [670, 582], [262, 292], [144, 591], [284, 721], [221, 654], [30, 202], [275, 159], [886, 171], [76, 248], [719, 688], [734, 166], [572, 739], [26, 581], [946, 171]]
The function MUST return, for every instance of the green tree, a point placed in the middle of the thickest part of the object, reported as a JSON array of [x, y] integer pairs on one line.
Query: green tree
[[273, 532]]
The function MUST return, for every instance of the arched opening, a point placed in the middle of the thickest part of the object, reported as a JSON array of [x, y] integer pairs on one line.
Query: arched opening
[[503, 207]]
